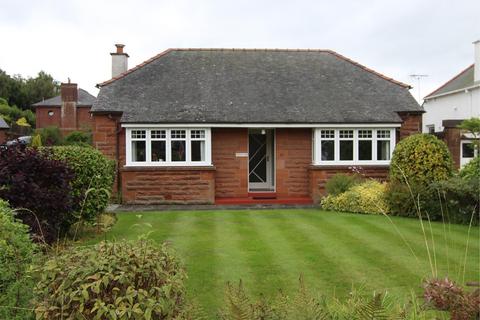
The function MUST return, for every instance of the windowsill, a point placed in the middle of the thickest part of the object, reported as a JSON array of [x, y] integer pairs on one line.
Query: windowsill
[[168, 168], [349, 165]]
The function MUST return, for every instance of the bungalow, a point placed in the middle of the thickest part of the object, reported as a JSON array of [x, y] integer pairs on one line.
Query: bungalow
[[247, 125]]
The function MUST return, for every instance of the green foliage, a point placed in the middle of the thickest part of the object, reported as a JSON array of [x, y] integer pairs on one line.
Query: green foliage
[[16, 255], [79, 138], [11, 114], [421, 159], [367, 197], [340, 183], [472, 169], [23, 92], [51, 136], [306, 305], [94, 176], [36, 141], [112, 280]]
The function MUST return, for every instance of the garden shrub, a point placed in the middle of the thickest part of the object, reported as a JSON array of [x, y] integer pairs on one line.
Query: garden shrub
[[93, 181], [51, 136], [421, 159], [340, 183], [16, 255], [79, 138], [367, 197], [40, 186], [471, 170], [112, 280]]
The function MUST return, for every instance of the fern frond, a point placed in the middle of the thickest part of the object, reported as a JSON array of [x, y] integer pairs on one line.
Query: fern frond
[[373, 310]]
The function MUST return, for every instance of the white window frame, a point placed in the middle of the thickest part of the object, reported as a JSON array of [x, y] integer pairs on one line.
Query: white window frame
[[168, 151], [463, 160], [336, 162]]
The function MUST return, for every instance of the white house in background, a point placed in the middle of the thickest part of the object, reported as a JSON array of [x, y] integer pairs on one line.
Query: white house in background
[[456, 100]]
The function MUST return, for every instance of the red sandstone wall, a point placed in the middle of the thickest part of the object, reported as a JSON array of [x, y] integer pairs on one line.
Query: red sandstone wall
[[43, 120], [168, 185], [293, 159], [3, 136], [412, 124], [84, 118], [231, 171]]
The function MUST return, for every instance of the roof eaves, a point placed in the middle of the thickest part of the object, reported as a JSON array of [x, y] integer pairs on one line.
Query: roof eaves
[[430, 95]]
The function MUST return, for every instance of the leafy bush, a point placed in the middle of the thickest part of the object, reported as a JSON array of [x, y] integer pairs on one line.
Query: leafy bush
[[340, 183], [421, 159], [31, 180], [367, 197], [94, 176], [306, 305], [16, 255], [79, 138], [471, 170], [12, 113], [446, 295], [112, 280], [51, 136]]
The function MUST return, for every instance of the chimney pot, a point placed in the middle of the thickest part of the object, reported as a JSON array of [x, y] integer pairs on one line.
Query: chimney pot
[[119, 61]]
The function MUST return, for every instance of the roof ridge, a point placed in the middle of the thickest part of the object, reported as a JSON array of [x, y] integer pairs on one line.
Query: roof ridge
[[449, 81], [336, 54]]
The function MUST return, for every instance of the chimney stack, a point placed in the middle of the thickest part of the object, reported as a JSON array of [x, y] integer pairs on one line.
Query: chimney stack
[[69, 95], [476, 68], [119, 61]]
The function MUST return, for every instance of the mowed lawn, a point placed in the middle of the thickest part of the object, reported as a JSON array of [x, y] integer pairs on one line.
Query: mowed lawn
[[269, 249]]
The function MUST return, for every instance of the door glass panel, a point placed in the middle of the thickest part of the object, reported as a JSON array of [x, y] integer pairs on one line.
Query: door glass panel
[[257, 157]]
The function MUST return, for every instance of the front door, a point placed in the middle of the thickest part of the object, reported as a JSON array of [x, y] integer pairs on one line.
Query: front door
[[261, 164]]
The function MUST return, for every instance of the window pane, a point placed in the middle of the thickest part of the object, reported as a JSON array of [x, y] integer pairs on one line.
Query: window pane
[[197, 134], [328, 150], [138, 151], [198, 150], [158, 134], [383, 150], [158, 151], [467, 150], [364, 150], [178, 150], [327, 134], [138, 134], [346, 134], [178, 134], [383, 134], [364, 134], [346, 150]]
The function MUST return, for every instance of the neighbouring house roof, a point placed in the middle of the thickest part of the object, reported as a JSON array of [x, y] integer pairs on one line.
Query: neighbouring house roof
[[254, 86], [3, 124], [462, 80], [85, 99]]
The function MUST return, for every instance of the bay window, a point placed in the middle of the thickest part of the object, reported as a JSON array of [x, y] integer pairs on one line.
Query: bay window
[[168, 147], [349, 146]]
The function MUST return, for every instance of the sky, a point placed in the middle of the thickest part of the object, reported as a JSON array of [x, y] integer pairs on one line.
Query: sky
[[73, 38]]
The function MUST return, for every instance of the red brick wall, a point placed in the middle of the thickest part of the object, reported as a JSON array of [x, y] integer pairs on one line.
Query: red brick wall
[[168, 185], [320, 175], [453, 137], [412, 124], [231, 171], [3, 136], [293, 159], [43, 120], [82, 118]]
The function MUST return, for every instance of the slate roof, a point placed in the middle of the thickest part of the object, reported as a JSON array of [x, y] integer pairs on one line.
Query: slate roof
[[254, 86], [3, 124], [462, 80], [85, 99]]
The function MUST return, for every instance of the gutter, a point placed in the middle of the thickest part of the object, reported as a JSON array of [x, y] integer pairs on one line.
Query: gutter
[[475, 86]]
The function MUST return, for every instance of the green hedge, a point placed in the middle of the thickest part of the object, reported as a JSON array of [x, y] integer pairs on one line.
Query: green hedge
[[94, 176], [367, 197], [16, 255], [112, 280], [421, 158]]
